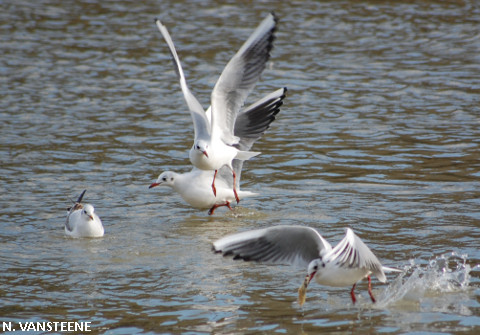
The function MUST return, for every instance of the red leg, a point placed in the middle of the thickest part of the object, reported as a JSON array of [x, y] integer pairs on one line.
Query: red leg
[[214, 207], [370, 289], [211, 210], [352, 294], [213, 184], [234, 190]]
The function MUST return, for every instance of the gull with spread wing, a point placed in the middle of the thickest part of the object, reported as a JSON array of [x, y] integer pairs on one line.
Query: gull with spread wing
[[194, 186], [215, 143], [347, 263]]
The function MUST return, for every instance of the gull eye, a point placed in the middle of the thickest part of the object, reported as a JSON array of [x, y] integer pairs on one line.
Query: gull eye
[[85, 211], [164, 178], [197, 147]]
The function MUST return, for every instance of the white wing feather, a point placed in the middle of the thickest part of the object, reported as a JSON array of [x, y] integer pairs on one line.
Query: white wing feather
[[200, 122], [238, 79], [352, 252]]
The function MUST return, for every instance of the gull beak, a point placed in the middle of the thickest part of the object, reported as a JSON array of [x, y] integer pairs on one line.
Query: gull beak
[[205, 153], [91, 217], [153, 185], [302, 290]]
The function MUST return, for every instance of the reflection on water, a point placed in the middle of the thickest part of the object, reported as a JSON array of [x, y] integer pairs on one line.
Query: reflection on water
[[379, 132]]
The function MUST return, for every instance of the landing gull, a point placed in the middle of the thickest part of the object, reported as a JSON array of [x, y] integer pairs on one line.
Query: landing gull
[[82, 221], [347, 263], [215, 143], [194, 186]]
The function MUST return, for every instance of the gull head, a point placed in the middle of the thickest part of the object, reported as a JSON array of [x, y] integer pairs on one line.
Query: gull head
[[313, 268], [165, 178], [201, 146], [88, 211]]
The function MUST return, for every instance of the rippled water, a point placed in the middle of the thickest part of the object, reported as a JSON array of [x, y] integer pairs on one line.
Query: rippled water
[[380, 131]]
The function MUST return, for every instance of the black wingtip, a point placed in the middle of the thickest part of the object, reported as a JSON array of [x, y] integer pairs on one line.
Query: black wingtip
[[79, 200], [231, 253], [274, 16], [242, 258]]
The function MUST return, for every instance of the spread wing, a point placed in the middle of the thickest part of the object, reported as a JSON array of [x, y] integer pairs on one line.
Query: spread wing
[[296, 245], [251, 125], [200, 123], [238, 79], [352, 252]]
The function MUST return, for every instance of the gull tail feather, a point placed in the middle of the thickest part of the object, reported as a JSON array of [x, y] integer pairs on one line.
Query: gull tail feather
[[246, 155], [246, 194], [387, 269]]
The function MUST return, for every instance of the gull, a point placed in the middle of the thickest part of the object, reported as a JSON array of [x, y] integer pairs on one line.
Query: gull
[[347, 263], [194, 186], [82, 221], [214, 142]]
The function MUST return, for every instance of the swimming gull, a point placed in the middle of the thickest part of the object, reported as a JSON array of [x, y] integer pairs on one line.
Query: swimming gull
[[82, 221]]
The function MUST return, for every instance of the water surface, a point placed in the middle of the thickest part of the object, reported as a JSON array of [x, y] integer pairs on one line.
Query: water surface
[[380, 132]]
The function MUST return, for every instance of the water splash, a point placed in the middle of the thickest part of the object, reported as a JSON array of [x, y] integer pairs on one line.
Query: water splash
[[442, 283]]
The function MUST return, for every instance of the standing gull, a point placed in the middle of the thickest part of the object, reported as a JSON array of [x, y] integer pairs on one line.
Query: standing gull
[[194, 186], [82, 221], [214, 143], [346, 264]]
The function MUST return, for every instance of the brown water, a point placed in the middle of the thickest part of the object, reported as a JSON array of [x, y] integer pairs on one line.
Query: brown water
[[380, 132]]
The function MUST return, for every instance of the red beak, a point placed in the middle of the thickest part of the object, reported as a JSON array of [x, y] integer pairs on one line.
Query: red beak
[[311, 277], [153, 185], [205, 153]]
